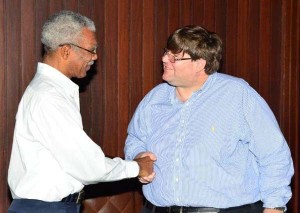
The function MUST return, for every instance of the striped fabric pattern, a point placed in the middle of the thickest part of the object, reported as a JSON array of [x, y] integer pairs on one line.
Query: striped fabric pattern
[[221, 148]]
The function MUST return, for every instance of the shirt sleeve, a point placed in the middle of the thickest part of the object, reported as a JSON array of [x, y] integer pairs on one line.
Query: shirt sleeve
[[137, 133], [58, 127], [271, 150]]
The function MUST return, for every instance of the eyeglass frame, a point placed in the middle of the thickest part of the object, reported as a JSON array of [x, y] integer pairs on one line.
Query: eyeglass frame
[[166, 52], [93, 52]]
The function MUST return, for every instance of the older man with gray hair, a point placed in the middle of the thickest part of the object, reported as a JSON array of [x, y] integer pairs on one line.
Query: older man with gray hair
[[52, 157]]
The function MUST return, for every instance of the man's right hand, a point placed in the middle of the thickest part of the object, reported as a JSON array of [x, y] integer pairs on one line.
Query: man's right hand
[[149, 177], [146, 166]]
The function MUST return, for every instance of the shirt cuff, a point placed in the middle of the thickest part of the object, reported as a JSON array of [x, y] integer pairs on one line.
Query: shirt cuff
[[132, 168]]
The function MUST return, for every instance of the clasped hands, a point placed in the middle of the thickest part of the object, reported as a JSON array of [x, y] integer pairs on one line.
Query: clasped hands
[[145, 161]]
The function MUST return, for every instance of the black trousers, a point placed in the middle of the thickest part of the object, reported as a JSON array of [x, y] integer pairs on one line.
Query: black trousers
[[38, 206], [250, 208]]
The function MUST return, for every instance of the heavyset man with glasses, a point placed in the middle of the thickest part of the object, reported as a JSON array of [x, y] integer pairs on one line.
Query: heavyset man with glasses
[[52, 157], [218, 145]]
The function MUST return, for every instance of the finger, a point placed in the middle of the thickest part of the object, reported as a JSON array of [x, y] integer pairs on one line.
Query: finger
[[142, 180], [152, 157], [149, 178]]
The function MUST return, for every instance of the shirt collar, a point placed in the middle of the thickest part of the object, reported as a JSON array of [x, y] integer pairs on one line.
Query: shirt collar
[[207, 84], [59, 78]]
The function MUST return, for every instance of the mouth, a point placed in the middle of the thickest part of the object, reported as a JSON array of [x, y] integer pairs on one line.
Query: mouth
[[88, 66], [167, 68]]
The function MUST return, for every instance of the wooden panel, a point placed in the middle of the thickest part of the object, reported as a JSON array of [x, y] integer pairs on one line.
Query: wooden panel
[[290, 66], [135, 67], [12, 74], [208, 11], [275, 71], [230, 50], [13, 69], [185, 12], [161, 34], [55, 6], [28, 38], [253, 43], [198, 16], [221, 19], [4, 156], [41, 14], [148, 60], [70, 4], [111, 78], [264, 47], [173, 11], [123, 70], [96, 127], [242, 38]]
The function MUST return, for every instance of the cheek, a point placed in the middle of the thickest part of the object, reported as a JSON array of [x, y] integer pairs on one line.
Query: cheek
[[183, 73]]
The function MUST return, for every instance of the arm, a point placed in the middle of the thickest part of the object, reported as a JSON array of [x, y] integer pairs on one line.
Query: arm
[[135, 146], [272, 211], [271, 150], [58, 127]]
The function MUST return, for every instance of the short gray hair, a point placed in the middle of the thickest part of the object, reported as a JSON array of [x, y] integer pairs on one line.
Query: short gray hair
[[64, 27]]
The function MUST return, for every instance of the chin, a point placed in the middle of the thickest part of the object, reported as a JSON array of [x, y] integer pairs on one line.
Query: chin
[[165, 77], [81, 76]]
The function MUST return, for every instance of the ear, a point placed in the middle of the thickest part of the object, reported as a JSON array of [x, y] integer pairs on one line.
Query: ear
[[65, 51], [200, 64]]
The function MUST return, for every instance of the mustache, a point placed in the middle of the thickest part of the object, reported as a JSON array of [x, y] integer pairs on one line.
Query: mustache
[[90, 63]]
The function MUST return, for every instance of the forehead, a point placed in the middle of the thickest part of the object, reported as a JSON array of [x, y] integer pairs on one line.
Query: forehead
[[180, 54], [89, 36]]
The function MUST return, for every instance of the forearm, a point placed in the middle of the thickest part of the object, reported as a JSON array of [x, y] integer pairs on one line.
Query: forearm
[[133, 147], [276, 171]]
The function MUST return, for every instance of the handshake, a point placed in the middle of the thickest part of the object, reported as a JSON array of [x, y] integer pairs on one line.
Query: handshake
[[145, 161]]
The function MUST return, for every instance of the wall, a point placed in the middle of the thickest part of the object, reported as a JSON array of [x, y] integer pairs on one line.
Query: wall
[[261, 45]]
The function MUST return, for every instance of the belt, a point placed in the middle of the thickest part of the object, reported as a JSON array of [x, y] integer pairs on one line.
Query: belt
[[186, 209], [74, 198]]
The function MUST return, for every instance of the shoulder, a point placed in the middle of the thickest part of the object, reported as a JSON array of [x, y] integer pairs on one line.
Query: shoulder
[[42, 93], [231, 81], [161, 92], [239, 89], [232, 84]]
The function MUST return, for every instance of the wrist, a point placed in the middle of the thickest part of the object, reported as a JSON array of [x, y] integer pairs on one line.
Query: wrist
[[278, 209]]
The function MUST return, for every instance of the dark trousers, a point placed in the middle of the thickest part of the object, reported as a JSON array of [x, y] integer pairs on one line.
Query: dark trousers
[[250, 208], [37, 206]]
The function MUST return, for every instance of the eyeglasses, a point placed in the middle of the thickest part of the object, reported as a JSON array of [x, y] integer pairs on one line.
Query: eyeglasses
[[172, 58], [75, 45]]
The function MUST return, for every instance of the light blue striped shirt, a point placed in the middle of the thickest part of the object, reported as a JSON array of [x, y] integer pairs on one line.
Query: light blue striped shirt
[[221, 148]]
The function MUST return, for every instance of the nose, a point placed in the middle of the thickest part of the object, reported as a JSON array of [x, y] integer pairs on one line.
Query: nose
[[165, 58], [94, 57]]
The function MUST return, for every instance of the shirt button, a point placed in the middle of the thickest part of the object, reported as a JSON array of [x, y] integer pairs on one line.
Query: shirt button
[[176, 179]]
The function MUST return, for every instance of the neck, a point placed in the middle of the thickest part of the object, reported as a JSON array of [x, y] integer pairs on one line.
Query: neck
[[52, 61], [184, 93]]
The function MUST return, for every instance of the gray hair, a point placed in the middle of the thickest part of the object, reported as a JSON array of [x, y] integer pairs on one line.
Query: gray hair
[[64, 27]]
